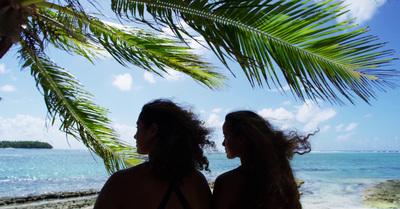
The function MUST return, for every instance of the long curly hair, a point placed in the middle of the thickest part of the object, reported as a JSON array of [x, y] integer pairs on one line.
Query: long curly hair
[[180, 140], [269, 179]]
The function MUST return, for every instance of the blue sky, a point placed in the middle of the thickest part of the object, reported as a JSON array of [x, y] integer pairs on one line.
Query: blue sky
[[124, 91]]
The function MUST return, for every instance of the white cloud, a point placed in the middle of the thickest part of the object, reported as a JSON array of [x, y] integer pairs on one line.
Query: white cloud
[[26, 127], [313, 115], [170, 75], [214, 121], [125, 132], [202, 111], [217, 110], [351, 126], [8, 88], [287, 103], [362, 10], [281, 117], [2, 68], [325, 129], [309, 115], [149, 77], [279, 114], [339, 128], [173, 75], [368, 115], [123, 82], [196, 46]]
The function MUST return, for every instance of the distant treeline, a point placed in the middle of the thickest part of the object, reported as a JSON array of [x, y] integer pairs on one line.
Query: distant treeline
[[25, 144]]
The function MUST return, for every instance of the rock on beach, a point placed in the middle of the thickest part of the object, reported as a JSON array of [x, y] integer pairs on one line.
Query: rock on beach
[[383, 195]]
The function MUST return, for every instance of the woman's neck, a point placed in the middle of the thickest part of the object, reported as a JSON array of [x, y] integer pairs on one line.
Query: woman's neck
[[244, 160]]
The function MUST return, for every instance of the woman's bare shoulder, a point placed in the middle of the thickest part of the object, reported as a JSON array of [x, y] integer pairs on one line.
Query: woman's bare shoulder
[[230, 182], [227, 189], [128, 176], [196, 190], [144, 167], [198, 175], [196, 179], [231, 176], [118, 186]]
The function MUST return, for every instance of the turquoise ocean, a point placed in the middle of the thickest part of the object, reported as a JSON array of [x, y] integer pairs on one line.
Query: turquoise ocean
[[332, 179]]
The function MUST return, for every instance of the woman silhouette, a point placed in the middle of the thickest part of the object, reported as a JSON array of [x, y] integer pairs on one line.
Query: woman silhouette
[[265, 178], [173, 138]]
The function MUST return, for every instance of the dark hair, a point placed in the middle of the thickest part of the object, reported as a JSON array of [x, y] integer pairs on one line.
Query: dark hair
[[180, 140], [269, 179]]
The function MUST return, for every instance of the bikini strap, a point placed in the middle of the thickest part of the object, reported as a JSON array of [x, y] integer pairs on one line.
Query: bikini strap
[[166, 197], [181, 198], [178, 192]]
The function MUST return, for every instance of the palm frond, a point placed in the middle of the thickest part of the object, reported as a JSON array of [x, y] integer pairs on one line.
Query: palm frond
[[81, 118], [319, 58], [83, 34]]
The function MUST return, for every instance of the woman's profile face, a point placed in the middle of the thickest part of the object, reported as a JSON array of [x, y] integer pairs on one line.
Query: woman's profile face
[[233, 144], [144, 138]]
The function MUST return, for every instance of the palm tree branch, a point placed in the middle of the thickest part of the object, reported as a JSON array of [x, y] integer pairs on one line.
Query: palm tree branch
[[141, 48], [81, 118], [62, 27], [253, 32]]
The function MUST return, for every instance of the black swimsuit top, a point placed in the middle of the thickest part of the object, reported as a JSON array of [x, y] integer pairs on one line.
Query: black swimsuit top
[[182, 199]]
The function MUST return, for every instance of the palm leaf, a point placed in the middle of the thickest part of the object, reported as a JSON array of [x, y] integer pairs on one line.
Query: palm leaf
[[85, 35], [73, 31], [81, 118], [318, 58]]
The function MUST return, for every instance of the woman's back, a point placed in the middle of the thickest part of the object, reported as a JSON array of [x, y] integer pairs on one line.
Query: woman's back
[[173, 138], [138, 187]]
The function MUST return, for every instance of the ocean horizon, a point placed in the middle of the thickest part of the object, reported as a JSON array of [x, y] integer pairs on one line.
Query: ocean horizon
[[333, 178]]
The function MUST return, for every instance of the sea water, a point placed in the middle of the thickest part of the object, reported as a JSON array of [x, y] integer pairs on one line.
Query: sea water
[[332, 179], [337, 179], [38, 171]]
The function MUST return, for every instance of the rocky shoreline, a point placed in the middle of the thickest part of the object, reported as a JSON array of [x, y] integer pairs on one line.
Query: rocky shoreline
[[383, 195], [61, 200]]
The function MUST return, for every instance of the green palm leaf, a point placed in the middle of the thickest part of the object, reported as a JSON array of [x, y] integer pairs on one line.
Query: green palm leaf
[[85, 35], [71, 30], [274, 41], [81, 118], [318, 58]]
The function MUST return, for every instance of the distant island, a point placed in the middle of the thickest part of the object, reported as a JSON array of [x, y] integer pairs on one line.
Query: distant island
[[25, 144]]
